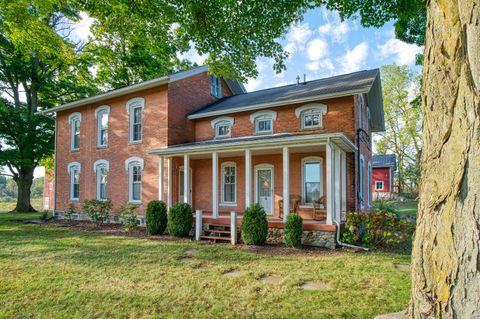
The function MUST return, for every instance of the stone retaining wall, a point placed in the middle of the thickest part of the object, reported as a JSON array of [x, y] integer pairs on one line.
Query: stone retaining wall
[[315, 238]]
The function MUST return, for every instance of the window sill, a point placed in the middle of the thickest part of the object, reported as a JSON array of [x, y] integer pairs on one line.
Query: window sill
[[74, 199], [136, 202], [101, 147], [228, 204], [74, 150], [305, 206], [135, 142], [312, 128], [264, 133]]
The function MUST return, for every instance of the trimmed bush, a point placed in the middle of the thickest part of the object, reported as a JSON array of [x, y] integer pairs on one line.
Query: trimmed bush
[[180, 220], [376, 229], [156, 217], [293, 230], [254, 225], [128, 219], [97, 210]]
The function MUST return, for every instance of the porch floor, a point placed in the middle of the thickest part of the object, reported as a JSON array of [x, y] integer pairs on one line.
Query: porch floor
[[273, 222]]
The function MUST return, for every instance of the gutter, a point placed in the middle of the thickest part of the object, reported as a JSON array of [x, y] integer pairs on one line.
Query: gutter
[[345, 244]]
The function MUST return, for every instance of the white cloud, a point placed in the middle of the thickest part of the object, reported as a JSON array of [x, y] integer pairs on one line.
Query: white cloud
[[81, 29], [317, 49], [404, 53], [291, 49], [325, 28], [325, 64], [300, 33], [254, 84], [193, 56], [337, 31], [354, 59]]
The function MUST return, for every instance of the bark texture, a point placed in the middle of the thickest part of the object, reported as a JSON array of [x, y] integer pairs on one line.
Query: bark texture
[[446, 260], [24, 183]]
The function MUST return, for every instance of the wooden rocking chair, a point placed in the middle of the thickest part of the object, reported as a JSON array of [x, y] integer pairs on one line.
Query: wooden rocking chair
[[294, 202], [319, 209]]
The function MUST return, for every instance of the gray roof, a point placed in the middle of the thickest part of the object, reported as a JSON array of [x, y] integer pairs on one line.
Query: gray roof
[[336, 86], [388, 160]]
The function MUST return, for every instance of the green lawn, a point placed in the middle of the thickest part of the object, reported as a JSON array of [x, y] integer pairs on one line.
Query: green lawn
[[49, 272], [407, 208], [37, 203]]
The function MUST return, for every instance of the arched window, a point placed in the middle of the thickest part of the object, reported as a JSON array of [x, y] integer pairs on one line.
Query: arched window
[[216, 86], [229, 183], [101, 114], [74, 120], [74, 171], [101, 168], [311, 115], [135, 108], [222, 126], [134, 167], [263, 121], [312, 179]]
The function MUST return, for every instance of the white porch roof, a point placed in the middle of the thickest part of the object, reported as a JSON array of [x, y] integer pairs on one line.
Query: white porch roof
[[257, 142]]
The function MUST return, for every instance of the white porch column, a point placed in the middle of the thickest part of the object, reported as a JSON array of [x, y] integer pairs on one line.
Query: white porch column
[[170, 182], [337, 189], [215, 184], [161, 181], [248, 178], [344, 182], [186, 178], [286, 183], [330, 173]]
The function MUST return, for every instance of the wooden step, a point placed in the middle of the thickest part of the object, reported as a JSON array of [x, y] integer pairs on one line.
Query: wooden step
[[217, 231], [215, 238], [218, 225]]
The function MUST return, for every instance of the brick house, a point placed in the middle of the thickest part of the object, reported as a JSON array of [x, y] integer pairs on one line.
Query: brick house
[[383, 170], [193, 137]]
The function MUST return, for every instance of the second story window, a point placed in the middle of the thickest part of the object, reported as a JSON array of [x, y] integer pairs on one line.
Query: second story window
[[101, 114], [311, 115], [263, 121], [135, 108], [216, 86], [222, 127], [75, 119]]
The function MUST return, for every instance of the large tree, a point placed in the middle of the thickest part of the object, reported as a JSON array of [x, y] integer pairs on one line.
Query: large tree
[[402, 107]]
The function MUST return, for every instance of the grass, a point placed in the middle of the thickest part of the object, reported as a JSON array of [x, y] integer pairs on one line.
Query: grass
[[49, 272], [407, 208], [37, 203]]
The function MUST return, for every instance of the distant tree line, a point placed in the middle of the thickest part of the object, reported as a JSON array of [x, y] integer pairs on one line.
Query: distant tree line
[[9, 189]]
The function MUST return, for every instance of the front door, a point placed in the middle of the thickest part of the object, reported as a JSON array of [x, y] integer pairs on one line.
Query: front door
[[265, 189]]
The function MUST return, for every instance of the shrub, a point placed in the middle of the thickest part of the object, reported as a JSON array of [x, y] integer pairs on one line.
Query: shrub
[[97, 210], [383, 205], [156, 217], [376, 229], [127, 217], [254, 228], [180, 220], [70, 212], [293, 230], [44, 214]]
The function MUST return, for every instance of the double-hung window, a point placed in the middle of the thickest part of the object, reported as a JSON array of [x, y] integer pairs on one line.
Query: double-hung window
[[101, 114], [134, 165], [263, 121], [74, 170], [229, 183], [222, 126], [312, 179], [101, 170], [75, 119], [135, 108], [216, 86], [311, 115]]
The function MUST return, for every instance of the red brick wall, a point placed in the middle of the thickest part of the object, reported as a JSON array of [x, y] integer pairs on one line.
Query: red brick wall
[[185, 96], [202, 180], [48, 191], [381, 174], [119, 149], [339, 118]]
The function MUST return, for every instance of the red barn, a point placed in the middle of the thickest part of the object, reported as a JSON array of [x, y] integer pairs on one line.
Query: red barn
[[383, 169]]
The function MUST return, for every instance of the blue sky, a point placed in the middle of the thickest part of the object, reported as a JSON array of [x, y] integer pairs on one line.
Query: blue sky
[[322, 45]]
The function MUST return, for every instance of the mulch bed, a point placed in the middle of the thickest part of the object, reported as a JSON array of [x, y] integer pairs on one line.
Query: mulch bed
[[268, 249]]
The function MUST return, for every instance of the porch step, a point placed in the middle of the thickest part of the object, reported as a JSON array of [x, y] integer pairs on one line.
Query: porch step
[[215, 238], [217, 231]]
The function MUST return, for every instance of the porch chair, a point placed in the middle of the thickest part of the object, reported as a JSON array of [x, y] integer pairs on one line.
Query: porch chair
[[319, 208], [294, 202]]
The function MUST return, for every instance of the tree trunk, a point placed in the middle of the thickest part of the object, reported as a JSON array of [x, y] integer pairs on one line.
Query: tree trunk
[[446, 258], [24, 183]]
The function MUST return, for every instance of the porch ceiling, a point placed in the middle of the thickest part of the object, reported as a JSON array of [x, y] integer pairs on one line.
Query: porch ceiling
[[257, 144]]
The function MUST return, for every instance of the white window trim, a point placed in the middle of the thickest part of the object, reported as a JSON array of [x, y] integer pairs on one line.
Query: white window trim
[[360, 182], [219, 88], [369, 184], [223, 202], [306, 160], [98, 111], [128, 167], [96, 167], [74, 166], [132, 104], [74, 117], [379, 189], [263, 115], [312, 108], [214, 123]]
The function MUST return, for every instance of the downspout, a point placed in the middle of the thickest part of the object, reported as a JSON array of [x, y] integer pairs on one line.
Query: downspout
[[55, 169], [357, 192], [345, 244]]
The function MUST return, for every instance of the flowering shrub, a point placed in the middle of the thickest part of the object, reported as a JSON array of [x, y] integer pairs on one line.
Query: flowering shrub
[[127, 217], [376, 229], [97, 210]]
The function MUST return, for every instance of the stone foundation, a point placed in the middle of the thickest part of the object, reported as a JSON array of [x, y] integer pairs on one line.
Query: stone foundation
[[315, 238]]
